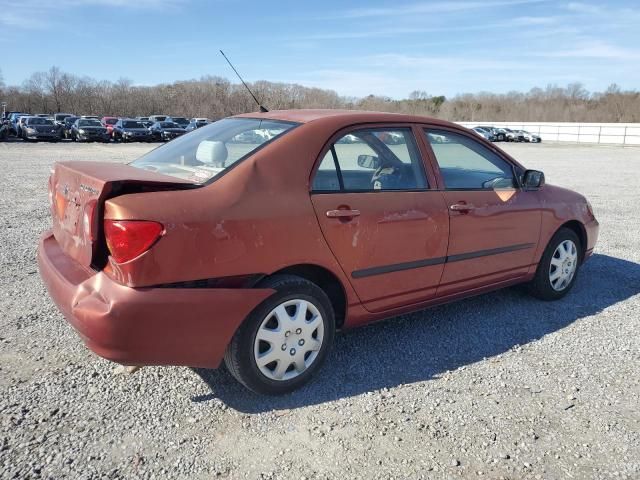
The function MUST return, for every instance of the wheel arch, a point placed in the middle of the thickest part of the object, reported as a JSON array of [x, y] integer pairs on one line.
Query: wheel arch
[[327, 281], [578, 228]]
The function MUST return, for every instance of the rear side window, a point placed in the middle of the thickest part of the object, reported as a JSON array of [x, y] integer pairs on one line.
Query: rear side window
[[466, 164], [326, 178], [372, 160]]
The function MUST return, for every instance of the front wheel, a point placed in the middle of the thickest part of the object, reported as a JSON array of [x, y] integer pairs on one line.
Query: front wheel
[[558, 267], [285, 340]]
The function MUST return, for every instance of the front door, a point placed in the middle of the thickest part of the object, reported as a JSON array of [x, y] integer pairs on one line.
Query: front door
[[381, 220], [494, 224]]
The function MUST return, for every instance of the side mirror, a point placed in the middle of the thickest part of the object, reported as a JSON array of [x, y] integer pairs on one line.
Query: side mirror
[[369, 161], [532, 179]]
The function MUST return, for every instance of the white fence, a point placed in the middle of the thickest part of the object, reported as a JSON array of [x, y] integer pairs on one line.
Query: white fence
[[604, 133]]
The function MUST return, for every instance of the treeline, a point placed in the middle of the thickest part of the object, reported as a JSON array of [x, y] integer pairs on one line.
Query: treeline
[[216, 97]]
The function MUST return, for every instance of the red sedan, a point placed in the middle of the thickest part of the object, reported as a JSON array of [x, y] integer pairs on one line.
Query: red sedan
[[109, 123], [253, 239]]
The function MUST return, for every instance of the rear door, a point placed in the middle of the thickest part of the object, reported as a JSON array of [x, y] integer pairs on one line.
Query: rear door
[[494, 224], [380, 216]]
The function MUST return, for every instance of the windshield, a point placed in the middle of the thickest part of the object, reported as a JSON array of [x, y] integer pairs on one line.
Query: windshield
[[179, 120], [111, 121], [133, 124], [39, 121], [89, 123], [207, 152]]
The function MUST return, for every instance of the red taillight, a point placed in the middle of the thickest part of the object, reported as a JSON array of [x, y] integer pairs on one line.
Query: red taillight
[[126, 239]]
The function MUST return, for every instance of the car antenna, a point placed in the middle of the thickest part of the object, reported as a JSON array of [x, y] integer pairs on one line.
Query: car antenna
[[262, 109]]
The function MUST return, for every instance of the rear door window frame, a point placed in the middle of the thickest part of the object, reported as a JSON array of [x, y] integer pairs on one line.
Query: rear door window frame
[[429, 174]]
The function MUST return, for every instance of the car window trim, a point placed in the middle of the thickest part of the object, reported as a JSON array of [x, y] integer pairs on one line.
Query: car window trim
[[329, 145], [434, 160]]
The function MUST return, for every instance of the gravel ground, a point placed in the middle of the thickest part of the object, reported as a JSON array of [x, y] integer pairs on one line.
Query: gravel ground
[[499, 386]]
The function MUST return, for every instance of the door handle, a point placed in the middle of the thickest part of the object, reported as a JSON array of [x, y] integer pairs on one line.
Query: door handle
[[461, 207], [343, 213]]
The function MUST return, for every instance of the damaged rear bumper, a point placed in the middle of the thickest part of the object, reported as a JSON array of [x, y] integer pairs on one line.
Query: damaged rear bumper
[[144, 326]]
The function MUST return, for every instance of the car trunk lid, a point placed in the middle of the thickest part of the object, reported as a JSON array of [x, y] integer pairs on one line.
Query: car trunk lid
[[77, 192]]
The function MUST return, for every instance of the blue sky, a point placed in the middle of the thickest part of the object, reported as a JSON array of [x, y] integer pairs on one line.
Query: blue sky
[[355, 48]]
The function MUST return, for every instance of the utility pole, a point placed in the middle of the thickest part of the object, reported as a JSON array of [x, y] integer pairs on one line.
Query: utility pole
[[4, 108]]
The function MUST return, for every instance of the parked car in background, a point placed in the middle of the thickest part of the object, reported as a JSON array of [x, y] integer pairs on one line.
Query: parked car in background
[[20, 124], [349, 139], [500, 136], [182, 121], [7, 115], [157, 118], [89, 130], [130, 130], [530, 137], [201, 252], [4, 129], [90, 117], [58, 118], [108, 123], [511, 135], [258, 136], [486, 134], [67, 124], [39, 128], [165, 131], [143, 119], [13, 122], [196, 123]]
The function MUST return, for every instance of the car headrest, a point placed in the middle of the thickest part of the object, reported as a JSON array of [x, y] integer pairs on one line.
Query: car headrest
[[212, 152]]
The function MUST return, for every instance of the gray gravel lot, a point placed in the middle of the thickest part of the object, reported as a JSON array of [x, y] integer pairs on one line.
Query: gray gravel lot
[[499, 386]]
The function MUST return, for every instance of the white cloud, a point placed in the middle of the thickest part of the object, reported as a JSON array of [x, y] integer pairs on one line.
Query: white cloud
[[431, 8], [580, 7], [600, 50], [39, 14]]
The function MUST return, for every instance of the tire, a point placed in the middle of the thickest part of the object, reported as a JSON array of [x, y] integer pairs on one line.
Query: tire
[[543, 286], [242, 352]]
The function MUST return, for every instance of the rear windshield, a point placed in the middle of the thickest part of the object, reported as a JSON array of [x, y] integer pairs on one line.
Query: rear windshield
[[169, 125], [207, 152]]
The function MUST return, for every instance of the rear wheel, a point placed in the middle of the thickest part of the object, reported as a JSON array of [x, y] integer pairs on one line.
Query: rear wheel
[[558, 267], [285, 340]]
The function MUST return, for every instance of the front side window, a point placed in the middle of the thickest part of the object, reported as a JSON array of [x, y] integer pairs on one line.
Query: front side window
[[371, 160], [210, 150], [466, 164]]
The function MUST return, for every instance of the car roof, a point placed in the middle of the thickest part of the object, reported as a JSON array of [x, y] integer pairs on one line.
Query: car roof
[[341, 117]]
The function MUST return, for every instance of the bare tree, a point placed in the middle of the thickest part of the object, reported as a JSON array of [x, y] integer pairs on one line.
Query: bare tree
[[216, 97]]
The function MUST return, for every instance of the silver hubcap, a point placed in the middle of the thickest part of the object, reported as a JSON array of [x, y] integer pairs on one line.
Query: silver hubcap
[[288, 340], [563, 265]]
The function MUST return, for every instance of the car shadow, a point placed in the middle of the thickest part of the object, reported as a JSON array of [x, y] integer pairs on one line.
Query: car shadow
[[422, 345]]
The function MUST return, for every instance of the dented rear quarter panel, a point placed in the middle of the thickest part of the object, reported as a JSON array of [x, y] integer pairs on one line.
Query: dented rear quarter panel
[[257, 218]]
